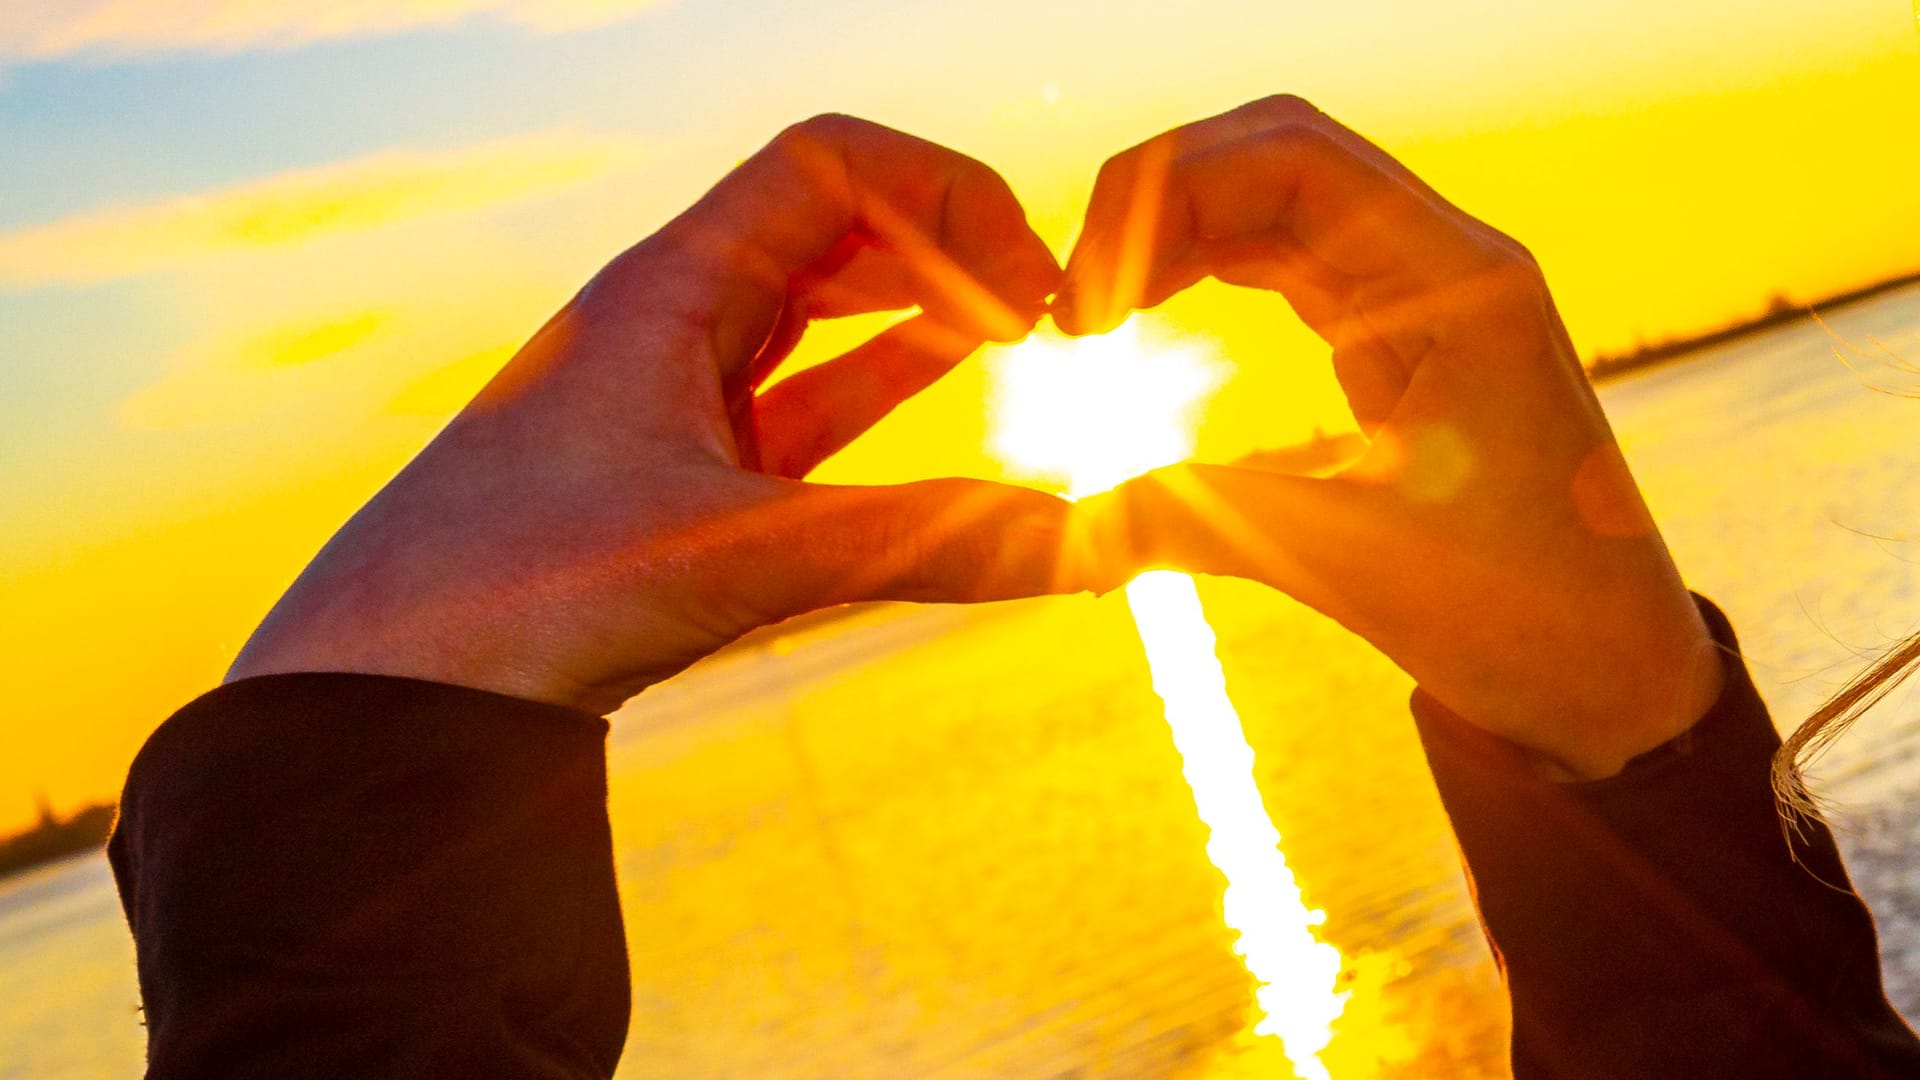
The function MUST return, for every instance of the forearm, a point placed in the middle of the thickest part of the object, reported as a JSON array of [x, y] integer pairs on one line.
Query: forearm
[[1657, 923], [337, 875]]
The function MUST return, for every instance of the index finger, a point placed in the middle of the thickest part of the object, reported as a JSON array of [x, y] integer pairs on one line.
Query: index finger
[[956, 226], [1281, 171]]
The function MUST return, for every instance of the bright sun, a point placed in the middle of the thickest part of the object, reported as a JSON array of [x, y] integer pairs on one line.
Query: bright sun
[[1084, 414]]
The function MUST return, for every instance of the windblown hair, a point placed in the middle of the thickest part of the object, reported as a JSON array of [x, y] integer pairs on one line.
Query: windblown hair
[[1831, 721], [1868, 688]]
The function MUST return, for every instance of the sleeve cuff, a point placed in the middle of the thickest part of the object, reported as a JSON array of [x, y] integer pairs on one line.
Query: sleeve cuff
[[346, 823], [1736, 727], [1663, 914]]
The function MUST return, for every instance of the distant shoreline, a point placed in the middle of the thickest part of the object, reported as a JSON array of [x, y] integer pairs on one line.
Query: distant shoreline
[[1780, 312], [83, 830]]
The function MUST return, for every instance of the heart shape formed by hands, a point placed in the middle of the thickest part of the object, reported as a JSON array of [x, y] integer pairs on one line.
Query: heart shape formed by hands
[[625, 497]]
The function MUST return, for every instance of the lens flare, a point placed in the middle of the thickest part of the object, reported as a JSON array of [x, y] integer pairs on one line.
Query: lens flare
[[1086, 414]]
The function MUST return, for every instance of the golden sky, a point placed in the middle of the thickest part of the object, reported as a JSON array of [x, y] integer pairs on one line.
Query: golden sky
[[253, 254]]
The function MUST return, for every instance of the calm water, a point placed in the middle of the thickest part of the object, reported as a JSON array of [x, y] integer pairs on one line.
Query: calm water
[[957, 842]]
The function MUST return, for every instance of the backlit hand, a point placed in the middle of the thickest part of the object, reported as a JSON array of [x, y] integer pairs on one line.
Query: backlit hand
[[623, 499], [1491, 541]]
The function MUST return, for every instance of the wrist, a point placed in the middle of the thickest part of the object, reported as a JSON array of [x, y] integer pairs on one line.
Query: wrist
[[1649, 707]]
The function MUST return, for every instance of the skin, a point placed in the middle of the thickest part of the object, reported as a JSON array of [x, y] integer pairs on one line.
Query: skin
[[1491, 541], [623, 499]]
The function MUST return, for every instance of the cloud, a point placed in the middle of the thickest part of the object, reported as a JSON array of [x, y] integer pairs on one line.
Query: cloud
[[239, 376], [296, 379], [294, 208], [296, 345], [45, 29]]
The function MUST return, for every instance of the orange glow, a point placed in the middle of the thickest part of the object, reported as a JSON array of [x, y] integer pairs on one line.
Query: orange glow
[[188, 336]]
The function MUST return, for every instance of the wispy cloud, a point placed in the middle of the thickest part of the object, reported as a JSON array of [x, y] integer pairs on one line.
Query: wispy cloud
[[44, 29], [294, 346], [297, 207], [306, 374]]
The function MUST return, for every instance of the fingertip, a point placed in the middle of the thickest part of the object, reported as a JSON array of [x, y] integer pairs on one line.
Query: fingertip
[[1047, 545], [1037, 558], [1008, 270], [1099, 554], [1164, 519], [1073, 315], [1086, 305], [1013, 324], [1065, 311], [1069, 307], [1027, 276]]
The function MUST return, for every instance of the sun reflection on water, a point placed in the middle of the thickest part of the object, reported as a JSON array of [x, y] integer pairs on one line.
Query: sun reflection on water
[[1087, 414], [1296, 971]]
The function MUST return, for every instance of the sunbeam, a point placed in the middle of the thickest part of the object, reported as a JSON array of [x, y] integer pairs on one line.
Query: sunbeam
[[1087, 414]]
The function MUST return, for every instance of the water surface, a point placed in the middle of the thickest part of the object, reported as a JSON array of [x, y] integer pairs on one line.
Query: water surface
[[957, 842]]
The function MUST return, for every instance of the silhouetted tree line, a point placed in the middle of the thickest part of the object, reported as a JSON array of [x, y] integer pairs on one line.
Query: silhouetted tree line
[[53, 838], [1780, 309]]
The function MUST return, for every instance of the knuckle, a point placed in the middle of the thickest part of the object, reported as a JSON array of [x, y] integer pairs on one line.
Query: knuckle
[[1150, 514], [1290, 135], [1515, 269], [810, 134], [1115, 170], [975, 176], [1124, 166], [1511, 290], [830, 123], [1312, 140], [1506, 245], [1521, 254], [1307, 146], [1287, 107]]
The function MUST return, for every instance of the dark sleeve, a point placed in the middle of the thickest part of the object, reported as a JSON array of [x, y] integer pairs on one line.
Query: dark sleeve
[[1657, 923], [345, 875]]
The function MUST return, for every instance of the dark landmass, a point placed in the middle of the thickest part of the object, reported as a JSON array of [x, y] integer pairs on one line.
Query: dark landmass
[[85, 829], [1780, 310]]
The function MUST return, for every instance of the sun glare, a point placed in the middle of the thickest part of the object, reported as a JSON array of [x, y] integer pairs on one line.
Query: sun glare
[[1086, 414]]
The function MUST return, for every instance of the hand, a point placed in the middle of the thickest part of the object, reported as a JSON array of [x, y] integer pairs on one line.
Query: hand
[[622, 499], [1491, 541]]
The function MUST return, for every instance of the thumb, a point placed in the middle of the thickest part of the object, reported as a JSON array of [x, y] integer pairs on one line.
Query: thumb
[[1326, 542], [933, 541]]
